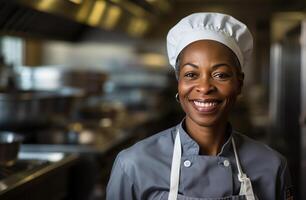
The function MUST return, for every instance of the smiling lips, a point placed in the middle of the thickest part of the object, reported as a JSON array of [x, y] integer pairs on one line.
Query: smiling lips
[[206, 106]]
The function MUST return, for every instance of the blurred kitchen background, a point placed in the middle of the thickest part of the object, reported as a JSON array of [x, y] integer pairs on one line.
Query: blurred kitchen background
[[82, 79]]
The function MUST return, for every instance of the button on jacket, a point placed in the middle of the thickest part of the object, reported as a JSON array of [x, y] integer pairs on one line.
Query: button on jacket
[[143, 170]]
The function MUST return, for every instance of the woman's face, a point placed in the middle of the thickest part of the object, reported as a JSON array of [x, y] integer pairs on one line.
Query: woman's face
[[209, 82]]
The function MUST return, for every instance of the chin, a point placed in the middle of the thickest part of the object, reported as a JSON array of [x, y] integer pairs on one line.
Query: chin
[[212, 121]]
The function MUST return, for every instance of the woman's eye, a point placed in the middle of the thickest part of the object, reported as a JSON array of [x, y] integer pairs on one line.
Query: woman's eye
[[222, 76], [190, 75]]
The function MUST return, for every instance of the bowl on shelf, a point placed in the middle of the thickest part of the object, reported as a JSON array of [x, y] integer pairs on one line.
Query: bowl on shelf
[[9, 147]]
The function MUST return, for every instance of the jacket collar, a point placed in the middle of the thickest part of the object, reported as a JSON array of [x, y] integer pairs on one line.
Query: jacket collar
[[191, 147]]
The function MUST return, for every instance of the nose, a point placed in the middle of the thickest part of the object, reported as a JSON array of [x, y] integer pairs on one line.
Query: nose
[[205, 85]]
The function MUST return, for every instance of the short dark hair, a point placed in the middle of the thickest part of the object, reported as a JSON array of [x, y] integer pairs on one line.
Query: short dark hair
[[177, 66]]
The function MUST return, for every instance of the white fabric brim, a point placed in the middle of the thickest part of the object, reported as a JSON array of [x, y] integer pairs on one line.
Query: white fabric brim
[[221, 37]]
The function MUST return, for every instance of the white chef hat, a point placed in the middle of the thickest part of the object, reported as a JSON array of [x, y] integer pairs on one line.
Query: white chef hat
[[210, 26]]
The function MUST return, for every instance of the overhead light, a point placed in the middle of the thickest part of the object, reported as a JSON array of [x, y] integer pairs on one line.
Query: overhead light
[[137, 26], [45, 4], [62, 8], [162, 5], [84, 11], [112, 17], [76, 1], [97, 13]]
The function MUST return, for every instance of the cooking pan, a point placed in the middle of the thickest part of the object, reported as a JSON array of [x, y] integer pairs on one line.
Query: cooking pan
[[9, 148], [34, 108]]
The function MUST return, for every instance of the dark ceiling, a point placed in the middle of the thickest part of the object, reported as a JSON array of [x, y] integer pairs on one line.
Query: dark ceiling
[[16, 18], [257, 12]]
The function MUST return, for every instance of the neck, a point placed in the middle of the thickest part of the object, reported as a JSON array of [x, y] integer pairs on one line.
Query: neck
[[210, 139]]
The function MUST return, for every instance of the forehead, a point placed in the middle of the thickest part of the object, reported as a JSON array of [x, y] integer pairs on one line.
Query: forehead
[[208, 50]]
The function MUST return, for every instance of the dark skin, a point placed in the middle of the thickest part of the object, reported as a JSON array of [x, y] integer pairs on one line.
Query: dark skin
[[209, 81]]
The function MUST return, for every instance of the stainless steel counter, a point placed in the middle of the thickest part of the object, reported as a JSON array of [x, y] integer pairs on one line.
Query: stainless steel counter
[[35, 165]]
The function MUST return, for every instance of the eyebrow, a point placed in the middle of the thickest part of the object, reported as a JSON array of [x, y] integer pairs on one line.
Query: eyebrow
[[214, 66], [190, 64]]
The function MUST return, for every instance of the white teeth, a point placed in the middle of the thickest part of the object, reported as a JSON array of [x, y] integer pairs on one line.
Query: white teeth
[[206, 105]]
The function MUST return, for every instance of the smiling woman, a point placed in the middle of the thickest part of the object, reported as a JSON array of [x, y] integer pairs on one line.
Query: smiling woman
[[203, 158], [210, 79]]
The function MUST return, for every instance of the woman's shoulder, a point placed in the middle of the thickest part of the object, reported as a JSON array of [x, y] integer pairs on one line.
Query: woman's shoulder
[[157, 141], [153, 148], [256, 150]]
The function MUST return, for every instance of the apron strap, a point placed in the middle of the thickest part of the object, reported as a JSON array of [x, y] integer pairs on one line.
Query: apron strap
[[175, 168], [241, 175], [246, 185]]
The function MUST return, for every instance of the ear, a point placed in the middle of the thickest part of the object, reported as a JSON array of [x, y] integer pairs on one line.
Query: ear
[[240, 82]]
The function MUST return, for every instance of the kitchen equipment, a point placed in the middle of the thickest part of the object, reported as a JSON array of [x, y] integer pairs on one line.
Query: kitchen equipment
[[56, 77], [112, 111], [9, 148], [21, 109], [88, 132], [288, 102]]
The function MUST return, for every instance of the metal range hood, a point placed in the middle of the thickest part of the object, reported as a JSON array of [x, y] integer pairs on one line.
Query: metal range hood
[[69, 19]]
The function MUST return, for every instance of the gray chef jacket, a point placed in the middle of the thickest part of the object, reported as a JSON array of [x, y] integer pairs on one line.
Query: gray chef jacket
[[143, 170]]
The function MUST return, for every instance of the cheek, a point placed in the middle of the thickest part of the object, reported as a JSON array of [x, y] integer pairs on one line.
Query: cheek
[[229, 91], [184, 89]]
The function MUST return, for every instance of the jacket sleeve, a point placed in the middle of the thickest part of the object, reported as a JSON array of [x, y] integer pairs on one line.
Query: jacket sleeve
[[120, 186], [286, 187]]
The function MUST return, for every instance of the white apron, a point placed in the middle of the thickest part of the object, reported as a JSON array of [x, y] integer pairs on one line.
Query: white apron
[[246, 190]]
